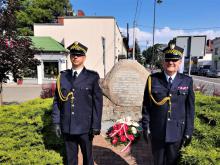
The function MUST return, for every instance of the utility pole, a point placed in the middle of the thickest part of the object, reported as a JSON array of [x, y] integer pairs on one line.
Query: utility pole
[[155, 2], [133, 54], [146, 44], [127, 38]]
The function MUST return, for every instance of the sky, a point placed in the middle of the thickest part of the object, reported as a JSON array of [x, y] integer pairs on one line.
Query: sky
[[172, 17]]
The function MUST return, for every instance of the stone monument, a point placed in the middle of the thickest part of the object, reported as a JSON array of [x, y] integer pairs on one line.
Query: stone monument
[[123, 89]]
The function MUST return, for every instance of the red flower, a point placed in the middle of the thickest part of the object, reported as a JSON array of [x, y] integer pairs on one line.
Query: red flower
[[131, 137], [115, 127], [121, 132], [126, 127], [123, 138], [119, 125], [115, 140]]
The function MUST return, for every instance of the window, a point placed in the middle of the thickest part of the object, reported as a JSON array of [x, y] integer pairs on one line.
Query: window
[[30, 73], [51, 69], [216, 51]]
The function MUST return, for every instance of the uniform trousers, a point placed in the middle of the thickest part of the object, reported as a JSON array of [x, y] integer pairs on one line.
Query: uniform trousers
[[72, 142], [165, 153]]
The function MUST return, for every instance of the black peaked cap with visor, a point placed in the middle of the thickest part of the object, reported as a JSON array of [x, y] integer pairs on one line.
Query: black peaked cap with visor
[[173, 52], [77, 49]]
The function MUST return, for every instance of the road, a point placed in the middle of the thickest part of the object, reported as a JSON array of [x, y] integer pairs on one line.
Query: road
[[13, 93], [207, 84], [207, 79]]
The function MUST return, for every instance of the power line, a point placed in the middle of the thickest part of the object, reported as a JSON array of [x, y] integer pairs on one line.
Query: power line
[[199, 28], [136, 9], [139, 10]]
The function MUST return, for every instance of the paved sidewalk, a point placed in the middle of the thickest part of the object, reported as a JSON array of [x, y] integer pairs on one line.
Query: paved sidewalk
[[13, 93], [106, 154]]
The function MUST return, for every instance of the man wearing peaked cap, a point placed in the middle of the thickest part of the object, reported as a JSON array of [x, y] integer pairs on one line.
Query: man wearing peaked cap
[[77, 49], [173, 52], [77, 107], [168, 109]]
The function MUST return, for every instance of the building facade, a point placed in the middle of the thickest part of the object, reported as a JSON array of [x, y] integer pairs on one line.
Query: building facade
[[100, 34], [216, 54], [53, 58]]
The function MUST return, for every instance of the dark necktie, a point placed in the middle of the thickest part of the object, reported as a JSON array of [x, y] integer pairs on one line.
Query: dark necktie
[[169, 82], [74, 75]]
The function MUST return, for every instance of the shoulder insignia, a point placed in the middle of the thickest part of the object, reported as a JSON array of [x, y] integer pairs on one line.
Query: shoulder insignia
[[92, 71]]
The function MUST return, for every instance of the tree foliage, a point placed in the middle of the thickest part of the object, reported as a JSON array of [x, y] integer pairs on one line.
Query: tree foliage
[[40, 11], [16, 52], [156, 59], [138, 55]]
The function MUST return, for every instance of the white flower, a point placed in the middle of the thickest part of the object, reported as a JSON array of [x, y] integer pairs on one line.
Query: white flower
[[133, 130], [135, 124], [120, 121], [128, 119], [129, 123]]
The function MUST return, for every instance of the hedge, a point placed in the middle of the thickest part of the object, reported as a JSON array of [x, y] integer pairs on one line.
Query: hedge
[[205, 146], [26, 136]]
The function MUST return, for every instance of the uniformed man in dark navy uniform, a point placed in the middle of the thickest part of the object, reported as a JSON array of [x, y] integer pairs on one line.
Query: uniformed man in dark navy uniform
[[168, 109], [77, 107]]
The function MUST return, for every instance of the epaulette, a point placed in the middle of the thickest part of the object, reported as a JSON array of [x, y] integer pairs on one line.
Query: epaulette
[[155, 74], [92, 71], [64, 71]]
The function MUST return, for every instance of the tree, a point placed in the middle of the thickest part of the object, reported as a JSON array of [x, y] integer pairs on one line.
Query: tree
[[156, 60], [138, 56], [40, 11], [16, 52]]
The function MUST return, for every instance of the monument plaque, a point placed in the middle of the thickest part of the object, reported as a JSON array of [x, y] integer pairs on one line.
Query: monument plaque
[[124, 84]]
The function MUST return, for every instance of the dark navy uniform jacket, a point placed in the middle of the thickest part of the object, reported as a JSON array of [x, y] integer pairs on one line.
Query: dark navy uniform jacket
[[87, 105], [181, 120]]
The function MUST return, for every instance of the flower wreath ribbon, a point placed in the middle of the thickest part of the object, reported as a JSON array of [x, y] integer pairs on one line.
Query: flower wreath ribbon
[[130, 141]]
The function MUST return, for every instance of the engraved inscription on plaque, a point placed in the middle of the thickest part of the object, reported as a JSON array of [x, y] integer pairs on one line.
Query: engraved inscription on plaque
[[128, 88]]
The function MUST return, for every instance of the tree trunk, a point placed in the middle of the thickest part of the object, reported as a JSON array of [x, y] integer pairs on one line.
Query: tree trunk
[[1, 96]]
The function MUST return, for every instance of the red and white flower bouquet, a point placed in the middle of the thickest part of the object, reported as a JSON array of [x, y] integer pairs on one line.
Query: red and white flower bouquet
[[124, 131]]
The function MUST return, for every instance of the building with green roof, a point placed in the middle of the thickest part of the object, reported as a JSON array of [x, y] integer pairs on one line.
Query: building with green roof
[[47, 44], [53, 57]]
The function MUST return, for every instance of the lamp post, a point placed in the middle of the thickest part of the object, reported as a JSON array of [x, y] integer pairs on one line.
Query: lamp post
[[155, 2]]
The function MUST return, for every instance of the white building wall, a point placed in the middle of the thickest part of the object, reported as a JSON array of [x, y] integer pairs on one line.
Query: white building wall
[[89, 31], [206, 60], [60, 58], [54, 30]]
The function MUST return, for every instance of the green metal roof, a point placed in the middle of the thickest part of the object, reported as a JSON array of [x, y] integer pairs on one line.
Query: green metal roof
[[47, 44]]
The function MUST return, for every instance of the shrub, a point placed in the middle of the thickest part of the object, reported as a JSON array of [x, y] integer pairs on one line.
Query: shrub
[[205, 146], [25, 134]]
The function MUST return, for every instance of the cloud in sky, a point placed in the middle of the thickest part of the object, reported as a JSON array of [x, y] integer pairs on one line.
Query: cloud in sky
[[165, 34]]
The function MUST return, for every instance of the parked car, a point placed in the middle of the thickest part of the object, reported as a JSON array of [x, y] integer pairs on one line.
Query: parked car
[[203, 71], [194, 71], [213, 73]]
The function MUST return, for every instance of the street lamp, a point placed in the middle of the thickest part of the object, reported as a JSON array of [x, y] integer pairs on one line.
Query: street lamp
[[155, 2]]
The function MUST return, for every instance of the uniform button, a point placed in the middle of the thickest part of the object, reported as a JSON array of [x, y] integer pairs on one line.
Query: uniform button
[[72, 105], [170, 94], [168, 119], [73, 90], [72, 113]]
